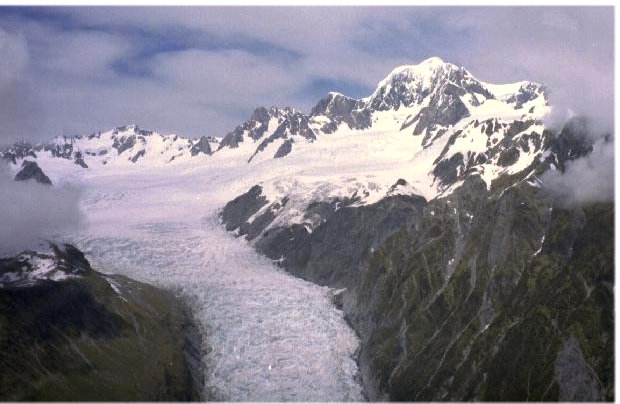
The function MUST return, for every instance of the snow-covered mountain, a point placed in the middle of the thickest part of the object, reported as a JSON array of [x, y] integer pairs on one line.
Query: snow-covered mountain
[[421, 206], [431, 125], [127, 145]]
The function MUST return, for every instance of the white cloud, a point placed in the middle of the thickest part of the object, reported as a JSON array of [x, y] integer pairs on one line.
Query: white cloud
[[85, 54], [585, 180], [13, 57], [569, 49], [32, 212], [226, 77]]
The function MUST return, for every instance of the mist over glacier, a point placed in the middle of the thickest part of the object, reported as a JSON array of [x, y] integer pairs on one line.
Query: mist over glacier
[[33, 212]]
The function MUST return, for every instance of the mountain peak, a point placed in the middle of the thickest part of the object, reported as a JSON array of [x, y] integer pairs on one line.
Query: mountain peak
[[425, 69], [127, 128], [410, 84], [433, 60]]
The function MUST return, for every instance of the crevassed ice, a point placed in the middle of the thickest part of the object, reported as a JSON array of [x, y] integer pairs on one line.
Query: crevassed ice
[[272, 337]]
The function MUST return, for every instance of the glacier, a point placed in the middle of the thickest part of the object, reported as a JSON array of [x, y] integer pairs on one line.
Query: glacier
[[268, 335]]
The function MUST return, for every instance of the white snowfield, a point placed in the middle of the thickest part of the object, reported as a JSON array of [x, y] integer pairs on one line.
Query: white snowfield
[[269, 336]]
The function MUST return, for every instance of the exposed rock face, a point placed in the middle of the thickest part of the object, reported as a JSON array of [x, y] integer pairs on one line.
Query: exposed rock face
[[203, 146], [240, 209], [79, 160], [31, 170], [445, 108], [340, 108], [9, 157], [447, 171], [137, 156], [64, 150], [428, 99], [255, 127], [527, 92], [505, 144], [573, 142], [124, 143], [17, 151], [284, 149], [295, 124], [69, 333]]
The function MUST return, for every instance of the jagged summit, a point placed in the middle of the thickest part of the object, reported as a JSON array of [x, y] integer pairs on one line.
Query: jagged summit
[[131, 127], [410, 85], [426, 68]]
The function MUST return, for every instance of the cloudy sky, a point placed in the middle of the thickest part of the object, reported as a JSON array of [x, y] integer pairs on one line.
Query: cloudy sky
[[202, 71]]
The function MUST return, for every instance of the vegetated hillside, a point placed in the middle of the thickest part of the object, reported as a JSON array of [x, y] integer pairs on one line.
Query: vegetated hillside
[[69, 333]]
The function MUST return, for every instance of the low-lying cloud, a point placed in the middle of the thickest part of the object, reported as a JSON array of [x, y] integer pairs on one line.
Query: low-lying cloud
[[585, 180], [31, 213]]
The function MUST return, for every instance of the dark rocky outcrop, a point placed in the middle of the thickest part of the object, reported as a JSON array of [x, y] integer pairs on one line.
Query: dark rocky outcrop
[[527, 92], [340, 108], [447, 171], [284, 149], [508, 157], [202, 146], [79, 160], [9, 157], [31, 170], [572, 142], [17, 151], [515, 140], [296, 124], [232, 139], [123, 143], [346, 237], [92, 337], [240, 209], [255, 127], [443, 110], [137, 156], [64, 150], [401, 182], [134, 129]]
